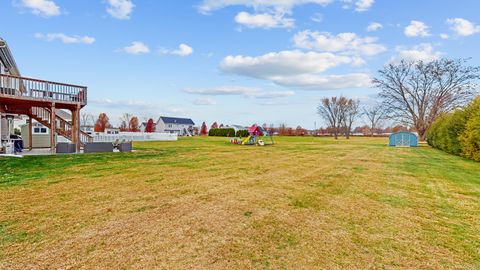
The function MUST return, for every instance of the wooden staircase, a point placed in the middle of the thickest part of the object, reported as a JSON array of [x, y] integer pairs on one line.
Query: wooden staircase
[[62, 126]]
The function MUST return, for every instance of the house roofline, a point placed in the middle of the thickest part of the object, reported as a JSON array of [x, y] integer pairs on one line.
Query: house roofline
[[7, 58]]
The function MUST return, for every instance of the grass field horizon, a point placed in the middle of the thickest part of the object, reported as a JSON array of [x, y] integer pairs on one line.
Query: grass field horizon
[[203, 203]]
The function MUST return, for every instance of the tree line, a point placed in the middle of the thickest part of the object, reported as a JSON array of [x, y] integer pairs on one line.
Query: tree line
[[128, 123], [414, 94]]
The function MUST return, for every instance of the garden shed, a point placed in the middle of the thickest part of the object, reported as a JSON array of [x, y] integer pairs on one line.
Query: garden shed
[[403, 139]]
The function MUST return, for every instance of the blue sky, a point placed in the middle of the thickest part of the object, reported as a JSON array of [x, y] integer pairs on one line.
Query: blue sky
[[230, 61]]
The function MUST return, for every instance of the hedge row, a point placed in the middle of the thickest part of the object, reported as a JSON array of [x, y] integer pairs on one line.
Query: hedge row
[[458, 133], [242, 133], [222, 132]]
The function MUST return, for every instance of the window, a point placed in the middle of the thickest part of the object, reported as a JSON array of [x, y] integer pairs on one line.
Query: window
[[40, 130]]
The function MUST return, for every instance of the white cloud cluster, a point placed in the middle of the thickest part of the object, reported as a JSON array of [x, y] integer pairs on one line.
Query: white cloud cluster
[[264, 20], [120, 9], [267, 14], [295, 68], [463, 27], [207, 6], [345, 43], [137, 47], [248, 92], [183, 50], [359, 5], [326, 82], [417, 29], [423, 52], [374, 26], [45, 8], [65, 38]]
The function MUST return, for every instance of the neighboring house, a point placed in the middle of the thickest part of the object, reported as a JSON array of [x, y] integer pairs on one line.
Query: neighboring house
[[143, 126], [179, 126], [89, 129], [112, 131]]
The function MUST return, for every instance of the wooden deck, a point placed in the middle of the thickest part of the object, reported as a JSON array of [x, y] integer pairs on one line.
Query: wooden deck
[[23, 90], [39, 99]]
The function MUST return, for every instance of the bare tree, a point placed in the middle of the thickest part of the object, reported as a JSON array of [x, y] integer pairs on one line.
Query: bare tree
[[86, 119], [352, 111], [125, 121], [417, 93], [375, 115], [333, 111]]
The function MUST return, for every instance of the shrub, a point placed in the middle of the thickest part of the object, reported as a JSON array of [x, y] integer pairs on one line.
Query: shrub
[[242, 133], [470, 137], [221, 132], [445, 131], [459, 132]]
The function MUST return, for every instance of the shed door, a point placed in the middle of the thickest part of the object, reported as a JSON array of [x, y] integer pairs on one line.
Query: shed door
[[402, 139]]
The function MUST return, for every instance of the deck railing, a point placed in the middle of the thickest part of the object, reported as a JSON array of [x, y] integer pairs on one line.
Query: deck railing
[[42, 90]]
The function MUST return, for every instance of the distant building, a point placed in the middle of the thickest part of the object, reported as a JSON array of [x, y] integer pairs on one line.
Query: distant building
[[143, 126], [112, 131], [179, 126]]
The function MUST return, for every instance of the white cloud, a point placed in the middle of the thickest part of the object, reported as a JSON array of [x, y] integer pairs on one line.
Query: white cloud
[[374, 26], [137, 47], [267, 14], [423, 52], [65, 38], [248, 92], [359, 5], [204, 101], [444, 36], [264, 20], [208, 6], [296, 69], [363, 5], [183, 50], [348, 43], [463, 27], [120, 9], [282, 63], [45, 8], [327, 82], [417, 29]]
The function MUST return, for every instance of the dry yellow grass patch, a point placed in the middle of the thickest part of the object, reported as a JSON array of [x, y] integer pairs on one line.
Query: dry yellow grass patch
[[203, 203]]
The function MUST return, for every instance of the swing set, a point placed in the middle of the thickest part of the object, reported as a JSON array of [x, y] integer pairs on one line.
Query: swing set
[[257, 136]]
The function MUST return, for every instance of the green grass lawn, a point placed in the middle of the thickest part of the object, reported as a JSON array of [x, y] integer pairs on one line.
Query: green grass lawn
[[206, 204]]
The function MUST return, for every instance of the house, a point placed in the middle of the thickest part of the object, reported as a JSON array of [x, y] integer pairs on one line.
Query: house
[[179, 126], [89, 129], [112, 131], [40, 101], [143, 126]]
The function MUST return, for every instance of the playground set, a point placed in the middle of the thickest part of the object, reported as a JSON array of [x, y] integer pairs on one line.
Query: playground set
[[257, 136]]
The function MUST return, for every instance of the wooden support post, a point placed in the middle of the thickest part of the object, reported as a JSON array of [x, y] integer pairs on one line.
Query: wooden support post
[[74, 127], [78, 124], [30, 131], [52, 128]]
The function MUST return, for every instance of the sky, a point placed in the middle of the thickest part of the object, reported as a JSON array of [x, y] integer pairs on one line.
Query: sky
[[231, 61]]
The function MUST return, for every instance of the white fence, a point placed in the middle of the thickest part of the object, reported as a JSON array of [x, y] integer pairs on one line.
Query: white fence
[[135, 137]]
